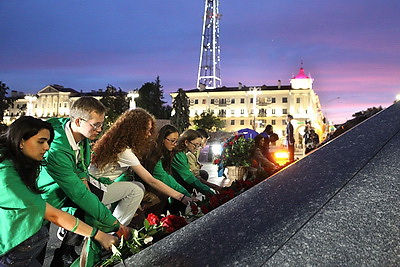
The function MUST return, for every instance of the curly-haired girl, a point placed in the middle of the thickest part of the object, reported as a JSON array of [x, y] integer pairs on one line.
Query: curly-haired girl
[[119, 149]]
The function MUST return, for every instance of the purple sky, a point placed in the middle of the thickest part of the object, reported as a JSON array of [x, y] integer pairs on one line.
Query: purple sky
[[351, 48]]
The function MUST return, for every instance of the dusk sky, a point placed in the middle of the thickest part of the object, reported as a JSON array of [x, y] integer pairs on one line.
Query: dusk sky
[[351, 48]]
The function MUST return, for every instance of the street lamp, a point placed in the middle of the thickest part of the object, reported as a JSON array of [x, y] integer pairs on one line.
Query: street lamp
[[255, 91], [133, 94]]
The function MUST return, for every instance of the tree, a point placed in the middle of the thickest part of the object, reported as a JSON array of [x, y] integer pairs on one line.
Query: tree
[[150, 98], [180, 110], [116, 103], [207, 120], [4, 101]]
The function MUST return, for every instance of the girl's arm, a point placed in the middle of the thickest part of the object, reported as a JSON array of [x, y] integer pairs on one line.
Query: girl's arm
[[158, 185], [73, 224]]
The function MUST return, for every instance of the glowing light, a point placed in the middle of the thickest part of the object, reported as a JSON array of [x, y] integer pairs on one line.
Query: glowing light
[[281, 157]]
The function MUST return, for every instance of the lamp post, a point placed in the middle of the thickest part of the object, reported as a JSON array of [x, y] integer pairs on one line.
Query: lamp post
[[29, 105], [255, 91], [133, 94]]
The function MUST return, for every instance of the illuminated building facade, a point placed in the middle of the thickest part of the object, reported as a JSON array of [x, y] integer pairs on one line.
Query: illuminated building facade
[[257, 106]]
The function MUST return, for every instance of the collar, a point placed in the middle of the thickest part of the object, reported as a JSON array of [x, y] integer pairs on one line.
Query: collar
[[70, 137]]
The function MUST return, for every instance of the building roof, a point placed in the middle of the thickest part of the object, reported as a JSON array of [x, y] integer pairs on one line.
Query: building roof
[[244, 88], [301, 75], [63, 89]]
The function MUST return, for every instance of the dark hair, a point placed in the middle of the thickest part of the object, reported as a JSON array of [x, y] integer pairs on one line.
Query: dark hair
[[203, 133], [290, 116], [268, 129], [188, 135], [27, 168], [159, 151], [257, 140]]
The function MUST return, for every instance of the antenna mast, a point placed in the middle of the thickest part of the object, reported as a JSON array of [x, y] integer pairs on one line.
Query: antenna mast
[[209, 72]]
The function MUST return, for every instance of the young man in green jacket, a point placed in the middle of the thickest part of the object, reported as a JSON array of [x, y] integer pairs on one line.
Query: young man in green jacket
[[64, 177]]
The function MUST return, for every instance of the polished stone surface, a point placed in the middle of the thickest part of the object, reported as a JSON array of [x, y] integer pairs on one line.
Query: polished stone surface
[[337, 206]]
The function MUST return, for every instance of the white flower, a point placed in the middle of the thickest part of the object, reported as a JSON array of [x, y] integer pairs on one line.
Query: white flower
[[148, 240]]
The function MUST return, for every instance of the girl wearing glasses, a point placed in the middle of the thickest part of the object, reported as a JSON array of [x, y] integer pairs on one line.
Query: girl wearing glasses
[[121, 148], [158, 163], [190, 140], [22, 210]]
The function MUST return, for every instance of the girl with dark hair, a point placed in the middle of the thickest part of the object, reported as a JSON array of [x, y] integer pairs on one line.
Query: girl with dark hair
[[190, 140], [22, 210], [259, 160], [158, 163], [121, 148]]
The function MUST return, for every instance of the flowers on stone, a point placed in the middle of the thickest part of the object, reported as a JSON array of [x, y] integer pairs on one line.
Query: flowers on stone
[[171, 223]]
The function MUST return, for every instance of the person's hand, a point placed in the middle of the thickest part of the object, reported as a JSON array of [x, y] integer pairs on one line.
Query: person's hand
[[217, 188], [187, 200], [106, 240], [124, 231]]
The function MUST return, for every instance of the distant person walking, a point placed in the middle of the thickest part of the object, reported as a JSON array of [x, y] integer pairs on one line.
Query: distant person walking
[[290, 137]]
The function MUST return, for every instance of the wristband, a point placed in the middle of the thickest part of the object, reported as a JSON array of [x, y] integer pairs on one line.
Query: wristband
[[94, 232], [182, 198], [76, 225]]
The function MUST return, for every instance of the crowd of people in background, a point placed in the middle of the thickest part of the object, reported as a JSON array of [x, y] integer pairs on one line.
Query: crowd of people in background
[[130, 171]]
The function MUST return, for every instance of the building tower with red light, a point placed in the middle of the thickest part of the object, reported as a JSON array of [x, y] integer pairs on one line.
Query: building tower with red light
[[209, 68]]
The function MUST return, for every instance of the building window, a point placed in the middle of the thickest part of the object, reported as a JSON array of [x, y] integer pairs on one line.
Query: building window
[[17, 105], [232, 122], [298, 100], [242, 101], [35, 105], [196, 101], [232, 112], [273, 100], [241, 122], [212, 101], [232, 101], [242, 111], [273, 122], [284, 111], [273, 111], [283, 122], [251, 100], [65, 104], [284, 99], [203, 101]]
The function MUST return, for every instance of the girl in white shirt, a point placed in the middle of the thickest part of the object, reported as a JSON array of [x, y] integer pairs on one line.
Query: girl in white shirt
[[118, 150]]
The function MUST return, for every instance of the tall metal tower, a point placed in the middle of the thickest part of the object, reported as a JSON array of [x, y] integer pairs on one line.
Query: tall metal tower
[[209, 71]]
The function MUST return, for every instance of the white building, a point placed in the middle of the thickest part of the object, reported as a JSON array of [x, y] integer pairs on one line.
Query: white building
[[243, 107], [51, 101]]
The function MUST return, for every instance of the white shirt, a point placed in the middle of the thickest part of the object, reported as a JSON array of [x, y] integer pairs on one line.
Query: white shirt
[[75, 146], [113, 170]]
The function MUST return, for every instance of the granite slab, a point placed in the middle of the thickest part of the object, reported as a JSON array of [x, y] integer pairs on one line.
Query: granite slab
[[339, 205]]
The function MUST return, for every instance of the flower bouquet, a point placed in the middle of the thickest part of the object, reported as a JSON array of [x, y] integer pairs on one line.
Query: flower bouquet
[[153, 230], [236, 151]]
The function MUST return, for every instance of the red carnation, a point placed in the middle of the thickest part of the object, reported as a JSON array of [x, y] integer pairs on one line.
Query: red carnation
[[195, 209], [204, 209], [171, 223], [153, 219], [214, 202]]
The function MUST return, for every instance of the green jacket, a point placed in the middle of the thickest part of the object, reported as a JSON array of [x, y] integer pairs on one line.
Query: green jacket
[[181, 172], [160, 174], [21, 210], [60, 178]]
